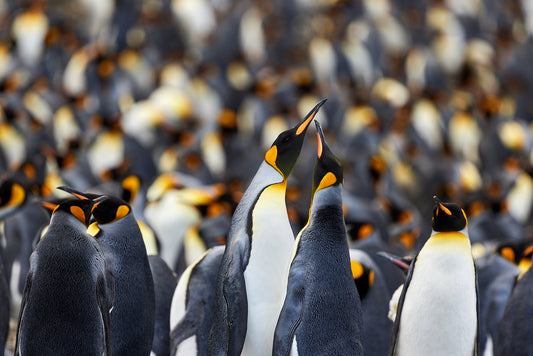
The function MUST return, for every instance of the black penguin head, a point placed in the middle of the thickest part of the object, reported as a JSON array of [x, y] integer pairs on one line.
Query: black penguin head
[[130, 187], [447, 217], [328, 168], [79, 208], [12, 194], [108, 209], [363, 277], [286, 148]]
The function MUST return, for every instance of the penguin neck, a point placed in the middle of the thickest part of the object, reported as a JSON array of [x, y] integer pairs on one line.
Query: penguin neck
[[463, 231], [63, 218], [330, 196]]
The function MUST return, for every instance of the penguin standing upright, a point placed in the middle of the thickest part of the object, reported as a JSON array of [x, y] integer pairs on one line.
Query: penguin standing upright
[[193, 302], [251, 283], [438, 308], [69, 290], [514, 335], [132, 320], [322, 313]]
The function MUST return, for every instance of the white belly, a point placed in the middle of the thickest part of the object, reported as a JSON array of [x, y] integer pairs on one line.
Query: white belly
[[267, 270], [439, 315]]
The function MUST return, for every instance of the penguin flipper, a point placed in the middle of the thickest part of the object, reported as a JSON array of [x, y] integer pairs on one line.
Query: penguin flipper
[[234, 291], [231, 317], [105, 295], [26, 293], [396, 326], [290, 315]]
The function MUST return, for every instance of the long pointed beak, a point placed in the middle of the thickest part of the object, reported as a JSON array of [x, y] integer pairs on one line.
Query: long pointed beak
[[302, 127], [320, 138]]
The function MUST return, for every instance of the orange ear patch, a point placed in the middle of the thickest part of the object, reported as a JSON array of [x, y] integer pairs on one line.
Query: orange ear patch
[[17, 195], [357, 269], [78, 213]]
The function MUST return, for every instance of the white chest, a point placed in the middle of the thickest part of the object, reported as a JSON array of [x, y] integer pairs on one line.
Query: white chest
[[439, 315], [267, 270]]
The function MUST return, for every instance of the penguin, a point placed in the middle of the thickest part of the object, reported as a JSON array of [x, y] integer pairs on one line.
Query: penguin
[[374, 293], [165, 282], [440, 291], [322, 312], [248, 300], [117, 232], [193, 303], [68, 281], [513, 337]]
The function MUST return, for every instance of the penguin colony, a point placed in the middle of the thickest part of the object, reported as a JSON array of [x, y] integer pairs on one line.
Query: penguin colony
[[196, 215]]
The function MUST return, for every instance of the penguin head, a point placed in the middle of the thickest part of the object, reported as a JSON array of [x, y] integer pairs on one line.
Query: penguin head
[[363, 277], [286, 148], [447, 217], [79, 208], [130, 187], [12, 194], [108, 209], [328, 168]]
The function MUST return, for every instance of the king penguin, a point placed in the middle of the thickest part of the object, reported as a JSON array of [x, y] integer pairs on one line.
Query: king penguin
[[322, 312], [69, 290], [117, 232], [438, 307], [252, 277], [192, 309]]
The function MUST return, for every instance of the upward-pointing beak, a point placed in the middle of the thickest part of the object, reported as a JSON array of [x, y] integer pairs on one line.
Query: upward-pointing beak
[[302, 126]]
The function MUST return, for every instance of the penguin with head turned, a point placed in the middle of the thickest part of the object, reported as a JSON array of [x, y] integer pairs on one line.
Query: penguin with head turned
[[438, 307], [252, 277], [117, 232], [69, 290], [322, 312]]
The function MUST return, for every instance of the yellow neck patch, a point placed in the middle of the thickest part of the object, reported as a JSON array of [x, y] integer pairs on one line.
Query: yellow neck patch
[[93, 229], [78, 213], [328, 180], [271, 156]]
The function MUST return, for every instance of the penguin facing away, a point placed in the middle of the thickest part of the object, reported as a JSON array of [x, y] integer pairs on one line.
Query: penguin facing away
[[69, 290], [192, 309], [117, 232], [322, 312], [438, 307], [251, 282]]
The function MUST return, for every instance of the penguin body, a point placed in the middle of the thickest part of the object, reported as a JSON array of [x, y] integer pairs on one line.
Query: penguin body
[[192, 310], [251, 283], [69, 290], [514, 337], [132, 320], [374, 294], [20, 231], [322, 313], [440, 292], [164, 285]]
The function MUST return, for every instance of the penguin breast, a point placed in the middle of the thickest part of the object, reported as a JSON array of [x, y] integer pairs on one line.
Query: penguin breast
[[439, 315]]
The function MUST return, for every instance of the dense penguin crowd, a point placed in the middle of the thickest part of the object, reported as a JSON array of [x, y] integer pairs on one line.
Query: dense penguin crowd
[[162, 190]]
